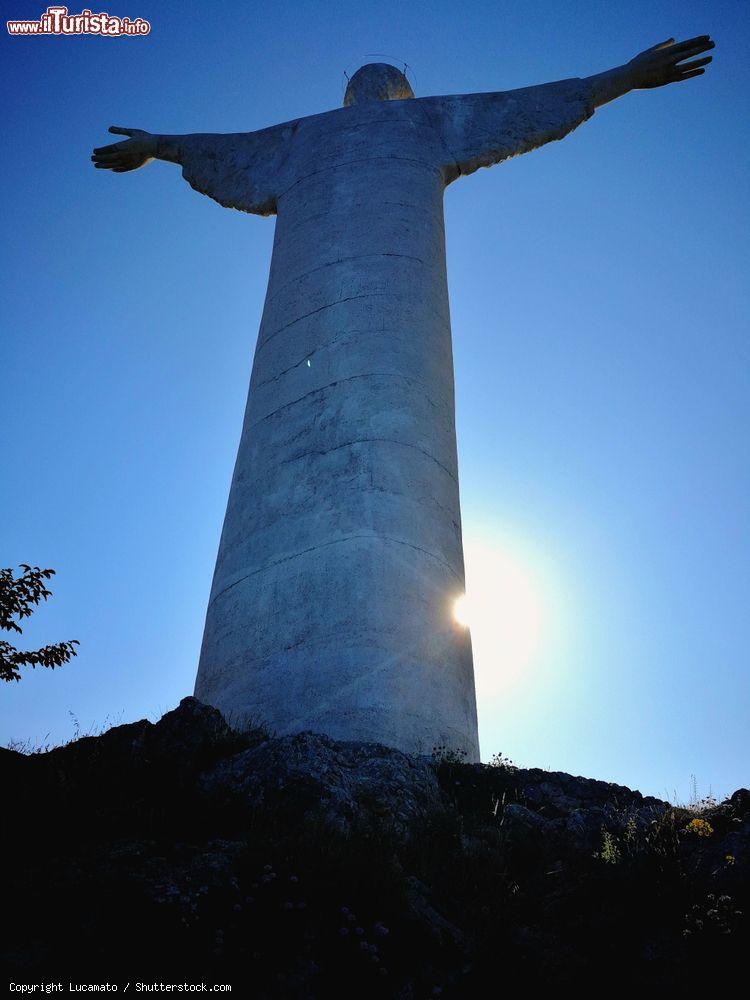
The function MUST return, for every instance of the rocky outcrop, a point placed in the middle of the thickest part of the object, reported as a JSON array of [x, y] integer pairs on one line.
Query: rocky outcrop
[[343, 783], [300, 865]]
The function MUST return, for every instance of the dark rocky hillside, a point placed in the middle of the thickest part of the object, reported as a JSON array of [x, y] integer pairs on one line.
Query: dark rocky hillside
[[302, 867]]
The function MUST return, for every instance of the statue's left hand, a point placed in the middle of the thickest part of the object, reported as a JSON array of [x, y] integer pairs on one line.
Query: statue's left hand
[[664, 63], [135, 152]]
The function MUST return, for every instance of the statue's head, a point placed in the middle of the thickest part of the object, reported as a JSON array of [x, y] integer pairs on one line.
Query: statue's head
[[377, 82]]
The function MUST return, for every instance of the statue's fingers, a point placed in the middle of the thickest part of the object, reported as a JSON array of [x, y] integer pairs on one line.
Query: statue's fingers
[[681, 67], [695, 50], [679, 77], [119, 130], [691, 46]]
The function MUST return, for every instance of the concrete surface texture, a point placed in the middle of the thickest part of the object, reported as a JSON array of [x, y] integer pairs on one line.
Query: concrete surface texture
[[340, 557]]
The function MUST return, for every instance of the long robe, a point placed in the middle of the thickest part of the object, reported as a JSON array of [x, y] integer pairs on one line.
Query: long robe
[[341, 555]]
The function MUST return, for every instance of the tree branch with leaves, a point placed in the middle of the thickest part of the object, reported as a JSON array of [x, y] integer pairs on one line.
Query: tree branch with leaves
[[19, 596]]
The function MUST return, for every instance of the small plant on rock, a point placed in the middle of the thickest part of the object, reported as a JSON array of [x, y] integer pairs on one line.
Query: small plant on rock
[[610, 852], [502, 762], [442, 754], [717, 915], [699, 828]]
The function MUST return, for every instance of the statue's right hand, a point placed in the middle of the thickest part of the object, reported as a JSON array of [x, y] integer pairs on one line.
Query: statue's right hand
[[134, 152]]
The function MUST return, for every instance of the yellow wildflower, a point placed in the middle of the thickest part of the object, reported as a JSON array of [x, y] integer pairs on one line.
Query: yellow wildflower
[[699, 827]]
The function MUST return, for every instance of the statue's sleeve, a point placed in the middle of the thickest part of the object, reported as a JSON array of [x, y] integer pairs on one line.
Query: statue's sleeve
[[478, 130], [240, 170]]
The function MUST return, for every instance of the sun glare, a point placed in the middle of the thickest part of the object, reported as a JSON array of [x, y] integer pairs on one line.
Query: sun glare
[[462, 611], [506, 608]]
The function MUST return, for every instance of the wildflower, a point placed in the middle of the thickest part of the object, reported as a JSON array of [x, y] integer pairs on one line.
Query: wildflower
[[699, 828]]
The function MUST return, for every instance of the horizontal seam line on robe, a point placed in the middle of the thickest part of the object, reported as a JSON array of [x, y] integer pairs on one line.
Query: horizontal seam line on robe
[[348, 444], [348, 163], [333, 541], [255, 386], [338, 337], [341, 260], [372, 488], [329, 305], [329, 385], [311, 354]]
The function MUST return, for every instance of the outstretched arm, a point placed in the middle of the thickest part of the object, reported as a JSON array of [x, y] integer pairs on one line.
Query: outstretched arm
[[478, 130], [242, 170], [661, 64]]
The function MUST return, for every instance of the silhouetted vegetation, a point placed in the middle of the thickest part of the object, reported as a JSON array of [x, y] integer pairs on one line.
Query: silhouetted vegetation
[[19, 596], [189, 850]]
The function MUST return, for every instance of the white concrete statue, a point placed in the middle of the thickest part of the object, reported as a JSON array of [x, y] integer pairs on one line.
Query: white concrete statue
[[341, 557]]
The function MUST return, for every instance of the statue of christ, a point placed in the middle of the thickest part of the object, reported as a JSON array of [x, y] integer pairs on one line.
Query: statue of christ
[[341, 555]]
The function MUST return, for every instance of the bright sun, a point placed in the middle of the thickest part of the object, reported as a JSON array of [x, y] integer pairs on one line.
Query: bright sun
[[462, 610], [505, 608]]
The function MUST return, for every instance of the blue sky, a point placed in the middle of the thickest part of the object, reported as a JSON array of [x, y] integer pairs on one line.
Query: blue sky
[[599, 302]]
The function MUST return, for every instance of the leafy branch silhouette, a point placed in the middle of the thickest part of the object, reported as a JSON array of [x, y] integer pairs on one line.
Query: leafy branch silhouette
[[19, 596]]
